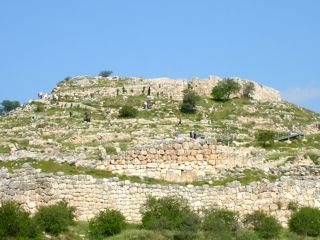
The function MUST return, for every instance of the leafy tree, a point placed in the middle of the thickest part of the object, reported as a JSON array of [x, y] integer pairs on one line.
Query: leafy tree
[[248, 89], [224, 89], [189, 101], [128, 112], [9, 105], [105, 73]]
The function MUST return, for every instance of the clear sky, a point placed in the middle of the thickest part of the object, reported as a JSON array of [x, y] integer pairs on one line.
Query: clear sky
[[274, 42]]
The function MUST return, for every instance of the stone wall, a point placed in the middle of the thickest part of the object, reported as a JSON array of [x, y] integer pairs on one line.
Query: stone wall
[[33, 189], [183, 160]]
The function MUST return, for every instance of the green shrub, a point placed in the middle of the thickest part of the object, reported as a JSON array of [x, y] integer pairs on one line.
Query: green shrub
[[15, 222], [56, 218], [107, 223], [220, 222], [306, 221], [224, 89], [266, 226], [110, 150], [265, 137], [170, 213], [128, 112], [293, 206], [39, 108], [188, 104]]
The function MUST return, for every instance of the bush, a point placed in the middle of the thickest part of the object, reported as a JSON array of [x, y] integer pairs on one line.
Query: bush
[[105, 73], [266, 226], [56, 218], [189, 101], [128, 112], [219, 222], [264, 137], [293, 206], [170, 213], [107, 223], [9, 105], [224, 89], [15, 222], [306, 221]]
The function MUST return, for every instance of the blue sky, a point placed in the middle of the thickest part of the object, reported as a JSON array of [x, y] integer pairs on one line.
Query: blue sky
[[273, 42]]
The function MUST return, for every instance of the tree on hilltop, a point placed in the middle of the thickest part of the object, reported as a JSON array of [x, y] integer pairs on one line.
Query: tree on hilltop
[[224, 89], [105, 73], [189, 101], [9, 105]]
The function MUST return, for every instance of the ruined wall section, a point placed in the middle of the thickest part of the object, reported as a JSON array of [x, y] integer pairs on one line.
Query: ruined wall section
[[33, 189], [182, 160]]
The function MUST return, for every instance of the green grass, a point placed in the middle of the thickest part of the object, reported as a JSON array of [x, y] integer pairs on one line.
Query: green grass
[[111, 150], [249, 177], [4, 149], [22, 144]]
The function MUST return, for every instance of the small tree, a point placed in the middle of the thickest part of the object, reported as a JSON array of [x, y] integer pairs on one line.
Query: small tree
[[9, 105], [224, 89], [248, 89], [105, 73], [188, 104], [265, 137], [128, 112]]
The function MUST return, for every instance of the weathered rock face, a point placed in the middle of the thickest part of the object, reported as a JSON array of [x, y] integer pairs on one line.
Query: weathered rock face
[[156, 87], [33, 189], [183, 160]]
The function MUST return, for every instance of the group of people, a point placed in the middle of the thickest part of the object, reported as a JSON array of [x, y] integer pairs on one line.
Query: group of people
[[46, 96]]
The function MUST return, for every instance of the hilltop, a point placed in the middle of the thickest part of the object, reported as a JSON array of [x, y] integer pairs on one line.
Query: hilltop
[[76, 131]]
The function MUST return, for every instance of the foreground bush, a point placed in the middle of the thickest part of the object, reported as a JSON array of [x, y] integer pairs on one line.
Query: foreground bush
[[306, 221], [128, 112], [220, 223], [266, 226], [15, 222], [106, 223], [56, 218], [170, 213]]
